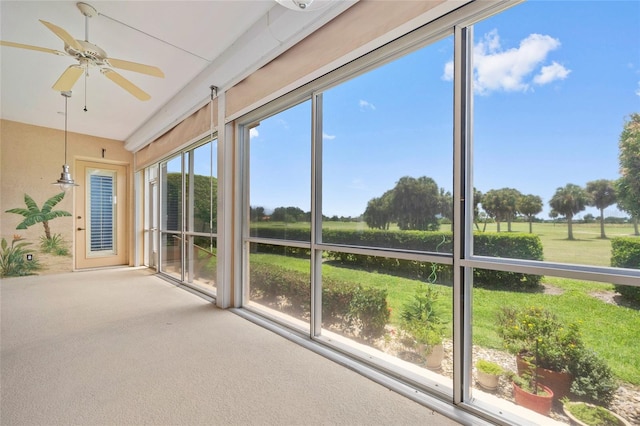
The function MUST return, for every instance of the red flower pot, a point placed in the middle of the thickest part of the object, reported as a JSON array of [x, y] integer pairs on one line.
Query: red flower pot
[[559, 382], [540, 403]]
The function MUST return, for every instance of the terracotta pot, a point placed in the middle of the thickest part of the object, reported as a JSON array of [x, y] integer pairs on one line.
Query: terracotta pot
[[559, 382], [574, 421], [435, 357], [538, 403]]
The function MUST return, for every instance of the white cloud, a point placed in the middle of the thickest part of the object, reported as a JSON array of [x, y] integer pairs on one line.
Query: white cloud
[[510, 70], [328, 137], [448, 71], [253, 133], [550, 73], [366, 105]]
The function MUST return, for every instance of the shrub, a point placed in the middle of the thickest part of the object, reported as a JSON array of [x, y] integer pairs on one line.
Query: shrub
[[625, 253], [536, 331], [515, 246], [506, 245], [349, 306], [593, 379], [13, 259], [422, 318]]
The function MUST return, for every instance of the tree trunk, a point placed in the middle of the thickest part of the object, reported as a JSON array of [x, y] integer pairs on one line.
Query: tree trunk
[[47, 231], [509, 225], [602, 235], [570, 224], [530, 226], [498, 226], [635, 226]]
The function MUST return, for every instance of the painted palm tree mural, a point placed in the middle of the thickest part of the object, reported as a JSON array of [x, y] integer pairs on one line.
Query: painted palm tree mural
[[33, 214]]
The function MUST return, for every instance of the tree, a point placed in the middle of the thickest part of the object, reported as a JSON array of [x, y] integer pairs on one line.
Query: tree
[[568, 201], [32, 214], [530, 205], [628, 186], [445, 204], [501, 204], [378, 214], [603, 194], [288, 214], [416, 203], [257, 214]]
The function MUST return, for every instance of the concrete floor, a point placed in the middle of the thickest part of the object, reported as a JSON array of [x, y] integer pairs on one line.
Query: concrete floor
[[125, 347]]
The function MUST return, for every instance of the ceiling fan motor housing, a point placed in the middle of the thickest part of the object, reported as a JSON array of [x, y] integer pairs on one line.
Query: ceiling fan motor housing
[[94, 54]]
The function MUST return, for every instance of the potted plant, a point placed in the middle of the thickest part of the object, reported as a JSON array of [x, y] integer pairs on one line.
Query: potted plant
[[488, 374], [585, 414], [557, 345], [423, 319], [429, 343], [534, 396], [530, 393]]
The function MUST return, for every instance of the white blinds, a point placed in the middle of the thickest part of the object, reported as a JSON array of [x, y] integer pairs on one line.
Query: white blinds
[[102, 213]]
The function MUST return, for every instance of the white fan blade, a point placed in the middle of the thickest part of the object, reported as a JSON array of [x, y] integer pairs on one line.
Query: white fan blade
[[65, 36], [28, 46], [125, 84], [68, 78], [133, 66]]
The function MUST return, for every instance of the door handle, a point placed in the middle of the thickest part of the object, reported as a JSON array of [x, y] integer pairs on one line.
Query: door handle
[[80, 229]]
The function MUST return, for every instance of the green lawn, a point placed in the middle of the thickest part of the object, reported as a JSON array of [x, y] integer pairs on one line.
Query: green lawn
[[587, 248]]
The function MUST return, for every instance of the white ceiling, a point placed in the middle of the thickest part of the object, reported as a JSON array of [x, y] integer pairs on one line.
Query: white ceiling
[[213, 30]]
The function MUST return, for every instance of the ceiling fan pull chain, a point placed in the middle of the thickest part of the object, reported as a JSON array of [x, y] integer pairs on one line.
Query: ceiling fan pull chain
[[86, 73]]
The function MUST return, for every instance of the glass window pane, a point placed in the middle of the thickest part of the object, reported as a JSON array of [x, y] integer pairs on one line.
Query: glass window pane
[[394, 310], [280, 175], [205, 188], [547, 126], [171, 255], [586, 329], [201, 261], [279, 283], [388, 154], [171, 189]]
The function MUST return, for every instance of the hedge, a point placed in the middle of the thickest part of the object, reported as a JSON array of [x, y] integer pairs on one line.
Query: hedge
[[625, 253], [503, 245], [347, 306]]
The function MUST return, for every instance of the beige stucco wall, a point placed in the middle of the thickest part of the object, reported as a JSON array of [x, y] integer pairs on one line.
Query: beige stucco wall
[[31, 158]]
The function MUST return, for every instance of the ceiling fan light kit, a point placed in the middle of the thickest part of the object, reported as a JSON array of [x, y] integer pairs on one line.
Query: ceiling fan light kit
[[90, 55]]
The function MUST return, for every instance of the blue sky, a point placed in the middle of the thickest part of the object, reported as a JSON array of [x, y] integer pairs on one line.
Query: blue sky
[[554, 82]]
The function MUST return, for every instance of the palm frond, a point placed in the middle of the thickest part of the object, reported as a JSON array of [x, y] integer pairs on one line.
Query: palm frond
[[23, 212], [57, 213], [31, 205], [51, 202]]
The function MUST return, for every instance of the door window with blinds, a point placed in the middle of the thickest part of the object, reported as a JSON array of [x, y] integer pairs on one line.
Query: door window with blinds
[[101, 220]]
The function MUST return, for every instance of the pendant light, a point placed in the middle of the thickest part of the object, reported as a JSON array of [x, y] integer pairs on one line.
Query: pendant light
[[65, 182]]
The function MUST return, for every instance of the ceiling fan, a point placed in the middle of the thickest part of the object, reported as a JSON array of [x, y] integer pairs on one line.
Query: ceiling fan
[[88, 54]]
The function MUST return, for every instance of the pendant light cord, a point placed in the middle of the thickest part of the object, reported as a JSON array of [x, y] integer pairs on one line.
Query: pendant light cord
[[214, 90], [66, 99]]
